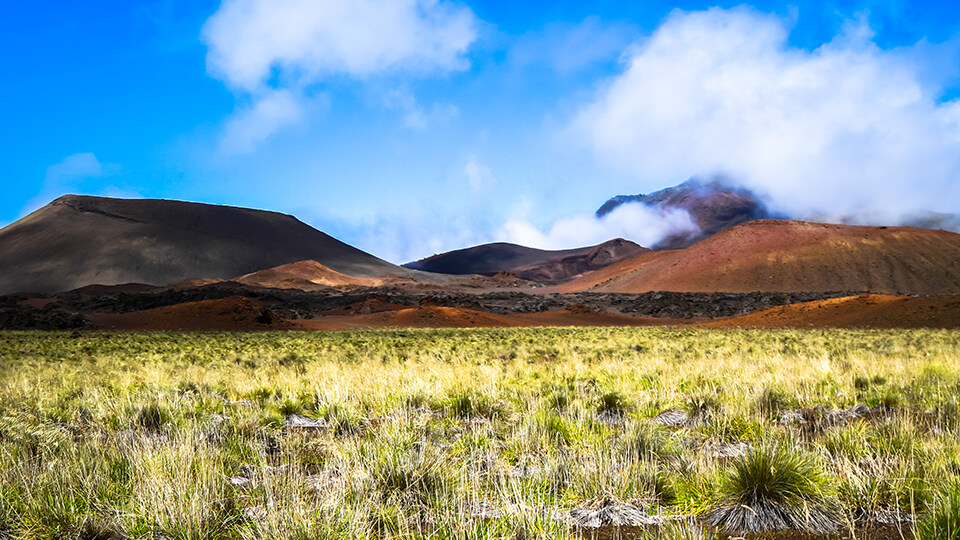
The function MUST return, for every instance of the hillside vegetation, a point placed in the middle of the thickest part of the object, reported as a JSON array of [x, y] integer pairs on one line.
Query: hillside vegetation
[[493, 433]]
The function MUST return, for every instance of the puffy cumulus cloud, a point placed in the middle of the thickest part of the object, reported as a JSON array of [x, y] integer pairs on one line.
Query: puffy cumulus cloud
[[846, 129], [251, 41], [261, 47], [637, 222]]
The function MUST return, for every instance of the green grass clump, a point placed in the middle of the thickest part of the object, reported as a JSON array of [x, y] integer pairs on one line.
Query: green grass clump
[[774, 488], [612, 402], [153, 417], [647, 441], [942, 522]]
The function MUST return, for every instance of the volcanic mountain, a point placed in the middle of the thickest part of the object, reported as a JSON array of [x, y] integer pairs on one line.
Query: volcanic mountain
[[528, 263], [713, 206], [304, 275], [78, 240], [793, 256]]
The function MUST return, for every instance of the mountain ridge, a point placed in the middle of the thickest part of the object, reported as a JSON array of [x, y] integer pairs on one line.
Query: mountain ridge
[[78, 240], [713, 205], [528, 263]]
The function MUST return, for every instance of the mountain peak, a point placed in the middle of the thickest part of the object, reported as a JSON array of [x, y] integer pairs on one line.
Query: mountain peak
[[78, 240], [713, 205]]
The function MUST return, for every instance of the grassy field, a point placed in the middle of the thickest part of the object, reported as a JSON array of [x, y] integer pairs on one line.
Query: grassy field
[[493, 433]]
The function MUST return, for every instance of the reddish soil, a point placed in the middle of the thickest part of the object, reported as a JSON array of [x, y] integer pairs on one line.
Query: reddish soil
[[371, 304], [37, 302], [231, 313], [429, 316], [792, 256], [241, 313], [863, 311], [306, 276]]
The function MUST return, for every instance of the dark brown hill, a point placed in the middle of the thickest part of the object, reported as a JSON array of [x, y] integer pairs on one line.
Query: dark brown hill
[[713, 206], [528, 263], [793, 256], [78, 240]]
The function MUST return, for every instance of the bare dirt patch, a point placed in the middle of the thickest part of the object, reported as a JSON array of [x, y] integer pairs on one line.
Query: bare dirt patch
[[231, 313]]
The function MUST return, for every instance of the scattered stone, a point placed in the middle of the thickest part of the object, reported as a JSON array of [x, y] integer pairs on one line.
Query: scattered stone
[[610, 418], [239, 403], [255, 513], [485, 511], [239, 481], [610, 512], [672, 419], [794, 417], [893, 517], [523, 471], [727, 451], [304, 423], [820, 417], [278, 469], [318, 483]]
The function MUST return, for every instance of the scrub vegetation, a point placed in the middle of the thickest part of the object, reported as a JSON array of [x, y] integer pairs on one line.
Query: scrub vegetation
[[480, 433]]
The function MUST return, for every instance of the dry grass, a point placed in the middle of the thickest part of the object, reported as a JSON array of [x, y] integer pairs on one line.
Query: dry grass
[[460, 433]]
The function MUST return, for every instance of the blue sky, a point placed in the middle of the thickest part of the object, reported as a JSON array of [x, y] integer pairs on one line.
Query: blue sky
[[446, 124]]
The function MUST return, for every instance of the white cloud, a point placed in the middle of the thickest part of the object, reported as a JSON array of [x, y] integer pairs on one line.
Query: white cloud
[[261, 47], [571, 47], [415, 116], [268, 114], [74, 166], [73, 175], [479, 176], [636, 222], [843, 129], [402, 238]]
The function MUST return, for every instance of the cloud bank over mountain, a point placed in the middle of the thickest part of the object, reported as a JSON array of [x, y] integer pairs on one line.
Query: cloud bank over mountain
[[643, 224], [847, 129]]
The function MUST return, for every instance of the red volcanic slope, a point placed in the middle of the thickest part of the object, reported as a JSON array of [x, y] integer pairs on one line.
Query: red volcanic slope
[[429, 316], [793, 256], [862, 311], [304, 275], [231, 313]]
